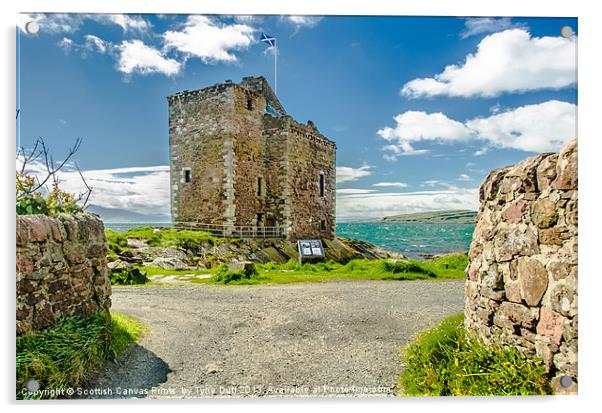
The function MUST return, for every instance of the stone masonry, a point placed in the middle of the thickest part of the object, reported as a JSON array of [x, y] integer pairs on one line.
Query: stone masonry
[[521, 284], [238, 160], [61, 269]]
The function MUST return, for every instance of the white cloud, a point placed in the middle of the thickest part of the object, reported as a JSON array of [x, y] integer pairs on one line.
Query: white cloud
[[209, 39], [378, 205], [55, 23], [96, 43], [534, 128], [354, 191], [479, 25], [391, 184], [505, 62], [349, 174], [136, 57], [464, 177], [139, 189], [303, 21], [52, 23], [127, 22], [66, 44]]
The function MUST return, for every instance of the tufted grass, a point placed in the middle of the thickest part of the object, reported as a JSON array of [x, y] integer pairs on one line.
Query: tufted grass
[[443, 268], [65, 355], [445, 361]]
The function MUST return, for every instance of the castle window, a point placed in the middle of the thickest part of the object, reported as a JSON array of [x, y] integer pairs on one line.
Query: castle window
[[187, 175], [322, 225], [259, 186], [322, 189], [249, 104]]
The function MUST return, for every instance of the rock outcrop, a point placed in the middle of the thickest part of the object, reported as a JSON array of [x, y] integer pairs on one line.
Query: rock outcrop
[[255, 250], [521, 285]]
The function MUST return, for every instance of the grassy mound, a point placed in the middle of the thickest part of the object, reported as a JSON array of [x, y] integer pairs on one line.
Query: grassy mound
[[166, 238], [67, 354], [444, 361]]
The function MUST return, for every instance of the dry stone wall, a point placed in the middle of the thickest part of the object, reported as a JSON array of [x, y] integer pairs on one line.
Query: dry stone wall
[[521, 285], [61, 269]]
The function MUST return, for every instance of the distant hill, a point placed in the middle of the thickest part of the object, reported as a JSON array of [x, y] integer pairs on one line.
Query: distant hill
[[460, 216], [118, 215]]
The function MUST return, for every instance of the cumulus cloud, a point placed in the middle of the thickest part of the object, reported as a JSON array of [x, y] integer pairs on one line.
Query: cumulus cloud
[[478, 25], [378, 205], [303, 21], [53, 23], [96, 43], [505, 62], [127, 22], [136, 57], [139, 189], [209, 39], [391, 184], [533, 128], [349, 174]]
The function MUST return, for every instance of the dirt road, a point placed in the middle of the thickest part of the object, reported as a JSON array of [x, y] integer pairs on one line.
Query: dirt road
[[333, 338]]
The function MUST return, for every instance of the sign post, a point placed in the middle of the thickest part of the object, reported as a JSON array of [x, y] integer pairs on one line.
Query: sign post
[[310, 250]]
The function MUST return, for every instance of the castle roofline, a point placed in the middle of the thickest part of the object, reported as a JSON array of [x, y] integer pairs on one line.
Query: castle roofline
[[255, 84]]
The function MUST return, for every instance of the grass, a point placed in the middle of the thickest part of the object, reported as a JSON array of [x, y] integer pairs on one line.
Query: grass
[[445, 361], [447, 267], [166, 238], [65, 355]]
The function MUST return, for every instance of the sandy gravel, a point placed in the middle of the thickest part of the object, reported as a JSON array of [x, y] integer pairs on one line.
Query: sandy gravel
[[327, 339]]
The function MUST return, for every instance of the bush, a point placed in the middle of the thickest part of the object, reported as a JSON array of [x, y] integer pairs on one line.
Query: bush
[[30, 202], [129, 276], [403, 267], [445, 361], [223, 274], [68, 353]]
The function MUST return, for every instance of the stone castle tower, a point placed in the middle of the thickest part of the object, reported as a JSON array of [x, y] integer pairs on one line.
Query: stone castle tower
[[240, 166]]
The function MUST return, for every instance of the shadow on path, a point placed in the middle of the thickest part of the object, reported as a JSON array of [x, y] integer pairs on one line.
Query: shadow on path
[[132, 375]]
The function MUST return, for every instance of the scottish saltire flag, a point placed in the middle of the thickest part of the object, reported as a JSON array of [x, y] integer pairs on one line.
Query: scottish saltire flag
[[269, 40]]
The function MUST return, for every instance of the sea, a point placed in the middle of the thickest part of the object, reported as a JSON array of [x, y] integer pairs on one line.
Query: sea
[[416, 241]]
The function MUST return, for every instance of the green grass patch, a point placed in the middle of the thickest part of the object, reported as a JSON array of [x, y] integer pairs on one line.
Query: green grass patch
[[67, 354], [447, 267], [128, 276], [445, 361], [166, 237]]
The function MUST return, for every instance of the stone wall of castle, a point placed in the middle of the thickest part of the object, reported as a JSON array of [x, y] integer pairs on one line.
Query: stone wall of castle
[[310, 156], [521, 285], [201, 140], [61, 269]]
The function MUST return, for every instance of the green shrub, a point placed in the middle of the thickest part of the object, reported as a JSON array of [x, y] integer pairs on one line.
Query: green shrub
[[67, 354], [399, 267], [445, 361], [128, 276], [29, 201], [223, 274]]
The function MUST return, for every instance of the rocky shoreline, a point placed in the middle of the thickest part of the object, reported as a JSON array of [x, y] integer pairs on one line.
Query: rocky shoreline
[[210, 254]]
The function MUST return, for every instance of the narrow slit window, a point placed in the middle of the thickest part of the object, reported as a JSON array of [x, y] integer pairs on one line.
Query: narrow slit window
[[249, 104], [259, 186], [187, 175], [322, 225], [321, 185]]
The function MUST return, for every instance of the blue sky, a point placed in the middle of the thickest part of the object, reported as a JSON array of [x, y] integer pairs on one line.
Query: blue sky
[[421, 108]]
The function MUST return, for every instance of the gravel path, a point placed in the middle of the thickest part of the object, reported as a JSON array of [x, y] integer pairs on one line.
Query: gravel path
[[332, 338]]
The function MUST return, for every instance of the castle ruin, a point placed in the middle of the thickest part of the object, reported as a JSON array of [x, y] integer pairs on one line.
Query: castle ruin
[[240, 166]]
